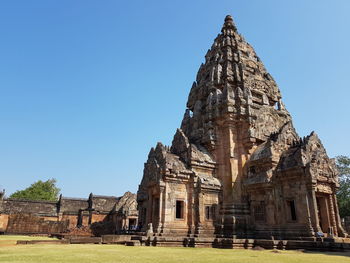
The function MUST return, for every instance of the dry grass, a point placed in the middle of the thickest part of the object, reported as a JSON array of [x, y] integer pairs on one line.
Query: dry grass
[[120, 254]]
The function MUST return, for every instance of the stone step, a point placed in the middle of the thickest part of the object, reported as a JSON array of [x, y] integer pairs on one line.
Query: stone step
[[86, 240]]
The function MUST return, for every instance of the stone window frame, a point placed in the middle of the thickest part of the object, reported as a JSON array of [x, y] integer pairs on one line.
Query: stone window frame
[[210, 212], [260, 209], [183, 209], [290, 219]]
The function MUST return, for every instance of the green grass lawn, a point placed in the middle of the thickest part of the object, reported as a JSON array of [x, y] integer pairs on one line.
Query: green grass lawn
[[11, 240], [120, 254]]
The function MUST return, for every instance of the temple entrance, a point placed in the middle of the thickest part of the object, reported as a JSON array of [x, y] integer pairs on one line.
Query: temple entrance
[[323, 213], [132, 224], [154, 212]]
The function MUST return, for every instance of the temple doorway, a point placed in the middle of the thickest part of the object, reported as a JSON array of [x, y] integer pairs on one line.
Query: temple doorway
[[132, 224], [323, 213]]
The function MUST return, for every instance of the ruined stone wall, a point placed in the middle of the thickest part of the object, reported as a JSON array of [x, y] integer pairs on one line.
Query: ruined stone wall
[[24, 216], [3, 222], [14, 206], [99, 218], [72, 219], [31, 224], [73, 205], [104, 203]]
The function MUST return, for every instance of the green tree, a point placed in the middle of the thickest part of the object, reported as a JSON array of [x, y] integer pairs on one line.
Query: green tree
[[39, 191], [343, 194]]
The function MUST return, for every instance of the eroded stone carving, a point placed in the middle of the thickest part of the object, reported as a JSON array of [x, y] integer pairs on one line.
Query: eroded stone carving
[[237, 167]]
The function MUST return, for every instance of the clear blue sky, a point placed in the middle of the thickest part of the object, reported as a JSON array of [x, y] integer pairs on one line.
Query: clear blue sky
[[88, 87]]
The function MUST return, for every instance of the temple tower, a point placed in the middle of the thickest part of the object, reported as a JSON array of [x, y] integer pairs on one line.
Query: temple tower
[[237, 167], [233, 106]]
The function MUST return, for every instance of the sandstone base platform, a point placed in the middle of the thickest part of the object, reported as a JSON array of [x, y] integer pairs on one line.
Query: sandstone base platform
[[323, 244], [318, 244]]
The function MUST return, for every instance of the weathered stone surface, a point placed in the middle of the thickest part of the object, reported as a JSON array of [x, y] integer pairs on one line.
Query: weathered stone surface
[[30, 224], [237, 167], [85, 240], [115, 239], [72, 216]]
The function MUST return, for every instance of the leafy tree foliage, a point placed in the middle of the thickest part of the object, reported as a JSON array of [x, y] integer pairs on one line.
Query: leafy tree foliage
[[39, 191], [343, 195]]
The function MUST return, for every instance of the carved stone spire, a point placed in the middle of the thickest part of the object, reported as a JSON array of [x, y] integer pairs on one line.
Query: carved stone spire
[[237, 150], [228, 26], [233, 81]]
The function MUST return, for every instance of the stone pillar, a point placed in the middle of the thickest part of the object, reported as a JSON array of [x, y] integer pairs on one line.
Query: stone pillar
[[199, 211], [164, 206], [161, 209], [331, 211], [313, 209], [124, 226], [223, 153], [308, 214], [231, 156], [149, 211], [193, 200], [340, 230], [190, 207]]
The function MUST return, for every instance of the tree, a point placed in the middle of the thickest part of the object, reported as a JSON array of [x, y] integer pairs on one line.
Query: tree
[[39, 191], [343, 194]]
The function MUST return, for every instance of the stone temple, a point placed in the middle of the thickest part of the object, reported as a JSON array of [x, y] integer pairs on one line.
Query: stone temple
[[237, 167]]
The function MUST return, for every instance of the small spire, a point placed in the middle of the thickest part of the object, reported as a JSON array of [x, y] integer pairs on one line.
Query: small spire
[[229, 24], [228, 19]]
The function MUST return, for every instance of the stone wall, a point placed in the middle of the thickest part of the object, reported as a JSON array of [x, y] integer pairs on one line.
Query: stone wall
[[3, 222], [72, 205], [67, 214], [72, 219], [31, 224], [12, 213], [14, 206]]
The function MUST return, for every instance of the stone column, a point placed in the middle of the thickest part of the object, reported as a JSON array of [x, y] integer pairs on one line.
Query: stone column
[[125, 227], [164, 207], [313, 208], [340, 230], [161, 210], [193, 208], [149, 212], [190, 207], [308, 214], [199, 211], [331, 211]]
